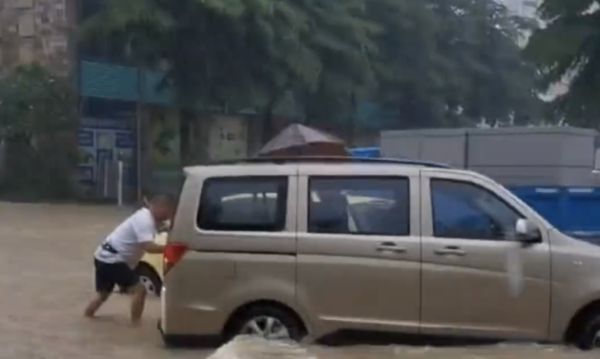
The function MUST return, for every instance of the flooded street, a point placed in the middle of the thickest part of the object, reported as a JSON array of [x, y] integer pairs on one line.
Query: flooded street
[[46, 279]]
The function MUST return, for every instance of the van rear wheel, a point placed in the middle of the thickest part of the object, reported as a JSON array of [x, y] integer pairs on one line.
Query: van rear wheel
[[268, 322], [590, 335]]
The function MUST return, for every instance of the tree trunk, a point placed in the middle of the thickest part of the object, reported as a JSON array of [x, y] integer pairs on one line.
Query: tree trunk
[[185, 128]]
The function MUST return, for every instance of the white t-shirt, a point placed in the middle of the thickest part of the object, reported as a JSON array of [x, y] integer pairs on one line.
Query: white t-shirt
[[127, 239]]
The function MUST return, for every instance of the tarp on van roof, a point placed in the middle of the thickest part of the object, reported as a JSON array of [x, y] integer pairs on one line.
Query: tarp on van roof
[[300, 140]]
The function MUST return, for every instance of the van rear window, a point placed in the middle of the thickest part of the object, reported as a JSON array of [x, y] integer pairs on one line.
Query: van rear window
[[243, 204]]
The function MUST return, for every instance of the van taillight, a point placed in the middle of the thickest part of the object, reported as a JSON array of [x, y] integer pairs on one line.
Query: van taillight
[[173, 254]]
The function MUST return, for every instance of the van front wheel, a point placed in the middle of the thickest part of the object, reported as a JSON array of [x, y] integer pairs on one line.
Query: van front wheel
[[268, 322], [590, 335]]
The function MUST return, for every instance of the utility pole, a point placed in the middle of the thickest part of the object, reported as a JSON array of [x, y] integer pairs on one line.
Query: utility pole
[[138, 127]]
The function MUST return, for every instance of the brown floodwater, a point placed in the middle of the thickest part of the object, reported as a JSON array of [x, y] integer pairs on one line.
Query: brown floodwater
[[46, 280]]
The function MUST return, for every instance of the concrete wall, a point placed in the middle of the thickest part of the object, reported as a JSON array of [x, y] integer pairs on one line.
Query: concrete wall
[[220, 137], [513, 156], [444, 146], [228, 138], [38, 31]]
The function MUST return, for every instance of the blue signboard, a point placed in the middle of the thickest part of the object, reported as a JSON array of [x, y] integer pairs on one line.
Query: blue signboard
[[125, 140], [105, 123], [85, 138]]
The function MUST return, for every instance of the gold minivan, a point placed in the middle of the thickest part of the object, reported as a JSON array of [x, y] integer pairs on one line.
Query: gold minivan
[[312, 246]]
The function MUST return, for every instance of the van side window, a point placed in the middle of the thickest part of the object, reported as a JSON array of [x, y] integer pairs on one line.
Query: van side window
[[361, 205], [464, 210], [243, 204]]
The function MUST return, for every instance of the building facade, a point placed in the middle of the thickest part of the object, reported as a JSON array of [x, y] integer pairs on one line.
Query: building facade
[[111, 102], [39, 31]]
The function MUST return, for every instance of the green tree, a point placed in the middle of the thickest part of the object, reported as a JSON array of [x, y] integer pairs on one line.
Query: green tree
[[568, 48], [38, 125], [428, 62], [319, 51], [249, 53], [452, 63]]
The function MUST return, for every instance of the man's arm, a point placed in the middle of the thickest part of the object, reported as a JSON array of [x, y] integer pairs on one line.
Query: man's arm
[[145, 232], [153, 248]]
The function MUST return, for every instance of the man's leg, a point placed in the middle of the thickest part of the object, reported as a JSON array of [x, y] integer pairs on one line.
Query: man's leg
[[138, 300], [95, 304], [127, 278], [104, 287]]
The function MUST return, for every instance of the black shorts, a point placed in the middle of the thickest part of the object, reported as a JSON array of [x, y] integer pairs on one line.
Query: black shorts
[[110, 274]]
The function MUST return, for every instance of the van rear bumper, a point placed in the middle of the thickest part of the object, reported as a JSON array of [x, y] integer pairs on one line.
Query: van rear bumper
[[183, 320]]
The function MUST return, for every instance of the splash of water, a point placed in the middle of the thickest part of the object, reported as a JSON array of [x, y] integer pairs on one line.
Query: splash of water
[[247, 347]]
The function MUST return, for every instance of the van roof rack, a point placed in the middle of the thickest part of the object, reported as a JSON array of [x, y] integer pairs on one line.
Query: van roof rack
[[335, 159]]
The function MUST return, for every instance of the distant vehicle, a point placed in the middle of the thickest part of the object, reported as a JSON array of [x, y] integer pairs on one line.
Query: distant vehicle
[[281, 248]]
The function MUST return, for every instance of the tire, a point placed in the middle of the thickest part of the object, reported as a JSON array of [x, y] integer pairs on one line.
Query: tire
[[590, 334], [168, 340], [284, 324], [175, 342], [149, 279]]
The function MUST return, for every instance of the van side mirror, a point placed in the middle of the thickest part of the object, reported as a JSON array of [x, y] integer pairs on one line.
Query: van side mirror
[[527, 232]]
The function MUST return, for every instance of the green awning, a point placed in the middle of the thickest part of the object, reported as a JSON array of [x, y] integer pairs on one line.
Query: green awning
[[116, 82]]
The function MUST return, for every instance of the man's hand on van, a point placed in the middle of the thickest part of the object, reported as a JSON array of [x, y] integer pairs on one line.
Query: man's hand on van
[[153, 248], [165, 226]]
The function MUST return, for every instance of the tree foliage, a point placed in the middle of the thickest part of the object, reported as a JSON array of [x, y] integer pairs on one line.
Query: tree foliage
[[38, 126], [568, 49], [427, 62], [453, 63]]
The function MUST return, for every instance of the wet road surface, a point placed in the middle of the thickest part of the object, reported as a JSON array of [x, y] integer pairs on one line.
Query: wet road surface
[[46, 280]]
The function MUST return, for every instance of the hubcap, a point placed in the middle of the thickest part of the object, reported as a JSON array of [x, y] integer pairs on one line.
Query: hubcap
[[266, 327], [596, 343], [147, 283]]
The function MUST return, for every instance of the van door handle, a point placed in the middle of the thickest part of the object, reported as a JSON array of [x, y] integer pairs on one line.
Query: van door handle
[[391, 247], [450, 251]]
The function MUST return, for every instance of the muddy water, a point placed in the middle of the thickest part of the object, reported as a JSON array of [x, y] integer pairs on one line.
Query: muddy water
[[46, 279]]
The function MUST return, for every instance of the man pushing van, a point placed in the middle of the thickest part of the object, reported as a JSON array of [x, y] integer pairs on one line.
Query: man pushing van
[[118, 255]]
